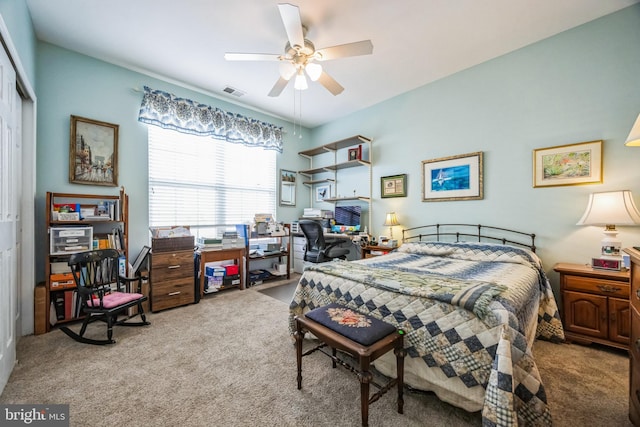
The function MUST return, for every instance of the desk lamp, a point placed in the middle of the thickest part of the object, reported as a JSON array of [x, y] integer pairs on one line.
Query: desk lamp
[[391, 220], [610, 209]]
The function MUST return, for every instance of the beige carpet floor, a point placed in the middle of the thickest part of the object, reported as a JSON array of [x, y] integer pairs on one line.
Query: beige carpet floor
[[229, 361]]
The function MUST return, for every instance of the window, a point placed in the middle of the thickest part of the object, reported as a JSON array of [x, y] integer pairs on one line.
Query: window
[[203, 182]]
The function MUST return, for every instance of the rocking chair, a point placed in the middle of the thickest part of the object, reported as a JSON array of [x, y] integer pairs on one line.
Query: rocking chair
[[103, 294]]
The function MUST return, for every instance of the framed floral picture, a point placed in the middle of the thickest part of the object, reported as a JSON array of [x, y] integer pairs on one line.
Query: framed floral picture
[[571, 164], [453, 178], [93, 152]]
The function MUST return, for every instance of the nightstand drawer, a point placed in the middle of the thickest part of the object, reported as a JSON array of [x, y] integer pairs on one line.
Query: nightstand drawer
[[596, 286]]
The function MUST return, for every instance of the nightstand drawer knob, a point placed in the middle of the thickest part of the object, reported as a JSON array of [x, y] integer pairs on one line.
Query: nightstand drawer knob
[[608, 288]]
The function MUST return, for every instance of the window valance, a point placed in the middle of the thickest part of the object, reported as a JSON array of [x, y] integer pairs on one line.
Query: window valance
[[167, 111]]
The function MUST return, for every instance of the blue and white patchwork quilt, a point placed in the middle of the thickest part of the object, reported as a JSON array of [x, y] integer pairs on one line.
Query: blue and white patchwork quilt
[[470, 312]]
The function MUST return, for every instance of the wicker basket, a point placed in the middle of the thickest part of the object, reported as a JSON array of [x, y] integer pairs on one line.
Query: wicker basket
[[169, 244]]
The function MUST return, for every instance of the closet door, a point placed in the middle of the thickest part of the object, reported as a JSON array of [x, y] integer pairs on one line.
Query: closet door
[[10, 185]]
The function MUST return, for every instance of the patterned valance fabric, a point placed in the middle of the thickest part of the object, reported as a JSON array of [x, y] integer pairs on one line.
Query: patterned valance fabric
[[167, 111]]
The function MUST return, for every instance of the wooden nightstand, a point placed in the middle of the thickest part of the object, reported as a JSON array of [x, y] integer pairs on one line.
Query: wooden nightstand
[[371, 251], [595, 305]]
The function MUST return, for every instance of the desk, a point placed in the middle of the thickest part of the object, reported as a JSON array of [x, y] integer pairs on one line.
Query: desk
[[212, 255], [371, 251]]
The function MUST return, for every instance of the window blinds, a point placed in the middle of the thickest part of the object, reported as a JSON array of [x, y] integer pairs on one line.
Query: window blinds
[[202, 182]]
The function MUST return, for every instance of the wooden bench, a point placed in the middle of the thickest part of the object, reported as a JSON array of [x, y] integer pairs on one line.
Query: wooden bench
[[363, 337]]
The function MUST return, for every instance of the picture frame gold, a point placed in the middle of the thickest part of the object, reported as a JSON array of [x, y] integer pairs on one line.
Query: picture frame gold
[[451, 178], [571, 164], [287, 187], [393, 186], [93, 152]]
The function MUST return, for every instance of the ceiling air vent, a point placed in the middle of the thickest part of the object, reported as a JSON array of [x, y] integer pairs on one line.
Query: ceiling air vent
[[233, 91]]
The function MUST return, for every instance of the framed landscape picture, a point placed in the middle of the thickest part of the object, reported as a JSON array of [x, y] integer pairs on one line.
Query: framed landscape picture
[[571, 164], [93, 152], [452, 178]]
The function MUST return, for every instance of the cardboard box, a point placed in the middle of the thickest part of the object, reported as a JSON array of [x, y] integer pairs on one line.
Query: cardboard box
[[40, 309]]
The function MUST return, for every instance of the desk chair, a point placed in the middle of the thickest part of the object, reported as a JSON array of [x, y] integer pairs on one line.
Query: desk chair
[[103, 293], [318, 249]]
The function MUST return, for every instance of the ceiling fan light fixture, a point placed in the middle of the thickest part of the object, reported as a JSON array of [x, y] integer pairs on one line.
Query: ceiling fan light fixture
[[314, 71], [301, 81], [287, 70]]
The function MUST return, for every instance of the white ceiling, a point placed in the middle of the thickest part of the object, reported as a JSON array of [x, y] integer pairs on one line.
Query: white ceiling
[[415, 42]]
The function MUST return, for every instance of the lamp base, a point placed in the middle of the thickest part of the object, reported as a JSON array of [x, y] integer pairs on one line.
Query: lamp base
[[607, 263]]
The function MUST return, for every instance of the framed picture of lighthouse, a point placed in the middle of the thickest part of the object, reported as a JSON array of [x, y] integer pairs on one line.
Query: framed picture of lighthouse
[[452, 178], [93, 152]]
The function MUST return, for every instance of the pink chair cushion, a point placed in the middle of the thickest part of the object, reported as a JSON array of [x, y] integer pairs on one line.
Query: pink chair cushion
[[114, 299]]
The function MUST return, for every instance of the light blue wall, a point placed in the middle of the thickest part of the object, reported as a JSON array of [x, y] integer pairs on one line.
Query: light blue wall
[[581, 85], [18, 21], [74, 84]]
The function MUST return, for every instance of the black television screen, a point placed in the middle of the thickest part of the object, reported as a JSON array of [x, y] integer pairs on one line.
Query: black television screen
[[348, 215]]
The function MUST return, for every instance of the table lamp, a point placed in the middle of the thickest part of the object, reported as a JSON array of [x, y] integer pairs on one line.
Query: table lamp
[[391, 220], [610, 209], [633, 140]]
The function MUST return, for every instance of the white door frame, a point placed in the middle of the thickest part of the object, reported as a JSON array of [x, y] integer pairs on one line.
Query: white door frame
[[25, 320]]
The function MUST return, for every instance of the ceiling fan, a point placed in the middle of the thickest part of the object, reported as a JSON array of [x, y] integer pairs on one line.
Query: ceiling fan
[[300, 55]]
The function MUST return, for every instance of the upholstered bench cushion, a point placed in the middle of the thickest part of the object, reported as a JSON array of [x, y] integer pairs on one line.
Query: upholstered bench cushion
[[349, 323]]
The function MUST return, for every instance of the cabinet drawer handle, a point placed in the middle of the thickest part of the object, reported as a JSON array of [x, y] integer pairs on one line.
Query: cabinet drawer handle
[[173, 266], [174, 293], [638, 344], [638, 293], [608, 288]]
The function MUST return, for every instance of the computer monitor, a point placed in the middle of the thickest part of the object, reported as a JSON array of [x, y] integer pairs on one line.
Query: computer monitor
[[348, 215]]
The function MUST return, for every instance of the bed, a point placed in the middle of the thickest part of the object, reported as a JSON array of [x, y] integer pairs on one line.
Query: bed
[[471, 300]]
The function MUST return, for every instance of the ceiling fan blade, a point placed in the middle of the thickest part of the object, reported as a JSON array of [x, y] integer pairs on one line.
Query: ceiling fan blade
[[278, 87], [230, 56], [330, 84], [364, 47], [290, 15]]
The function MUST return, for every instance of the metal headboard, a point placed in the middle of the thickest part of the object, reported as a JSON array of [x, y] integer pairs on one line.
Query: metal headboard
[[480, 233]]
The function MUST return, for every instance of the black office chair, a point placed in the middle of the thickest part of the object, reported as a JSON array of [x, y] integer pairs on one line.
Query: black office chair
[[317, 249]]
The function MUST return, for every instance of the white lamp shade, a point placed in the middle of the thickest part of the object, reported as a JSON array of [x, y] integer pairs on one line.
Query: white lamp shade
[[633, 140], [287, 70], [611, 208], [391, 219], [301, 81], [314, 71]]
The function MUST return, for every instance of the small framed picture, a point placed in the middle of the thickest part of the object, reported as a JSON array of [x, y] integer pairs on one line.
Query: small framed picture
[[323, 192], [393, 186], [353, 154]]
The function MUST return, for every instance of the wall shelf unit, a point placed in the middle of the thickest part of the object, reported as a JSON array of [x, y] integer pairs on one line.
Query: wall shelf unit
[[327, 169]]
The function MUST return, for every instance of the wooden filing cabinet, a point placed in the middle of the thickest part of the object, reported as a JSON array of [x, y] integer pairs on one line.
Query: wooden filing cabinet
[[634, 345], [172, 279], [595, 305]]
